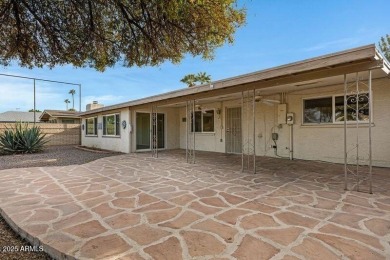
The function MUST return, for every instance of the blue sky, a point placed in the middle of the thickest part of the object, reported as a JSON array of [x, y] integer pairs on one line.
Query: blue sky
[[276, 33]]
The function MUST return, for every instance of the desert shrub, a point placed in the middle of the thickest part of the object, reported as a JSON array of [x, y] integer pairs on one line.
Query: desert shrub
[[22, 139]]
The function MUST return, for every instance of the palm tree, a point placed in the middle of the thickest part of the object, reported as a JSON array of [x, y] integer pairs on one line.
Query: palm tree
[[384, 45], [66, 102], [202, 77], [189, 79], [72, 92]]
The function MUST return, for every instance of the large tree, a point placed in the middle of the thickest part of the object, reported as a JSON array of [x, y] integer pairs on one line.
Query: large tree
[[384, 44], [99, 33]]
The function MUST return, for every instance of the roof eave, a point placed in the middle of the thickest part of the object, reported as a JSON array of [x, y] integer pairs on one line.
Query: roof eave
[[386, 63], [364, 53]]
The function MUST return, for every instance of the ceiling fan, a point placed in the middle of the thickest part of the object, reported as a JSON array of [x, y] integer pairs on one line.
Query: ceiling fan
[[268, 102], [202, 109]]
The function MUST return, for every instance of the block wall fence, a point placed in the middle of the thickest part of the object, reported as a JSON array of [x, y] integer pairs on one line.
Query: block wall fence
[[57, 134]]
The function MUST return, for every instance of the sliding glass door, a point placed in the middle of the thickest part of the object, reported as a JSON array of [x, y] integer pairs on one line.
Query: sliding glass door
[[143, 131]]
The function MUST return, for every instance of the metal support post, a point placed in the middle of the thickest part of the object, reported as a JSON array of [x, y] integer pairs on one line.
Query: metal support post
[[254, 130], [357, 131], [190, 131], [248, 111], [187, 119], [247, 132], [193, 131], [345, 135], [369, 129], [358, 150], [242, 130], [154, 132]]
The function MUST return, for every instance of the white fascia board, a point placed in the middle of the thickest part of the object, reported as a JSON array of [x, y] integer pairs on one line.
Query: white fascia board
[[386, 64]]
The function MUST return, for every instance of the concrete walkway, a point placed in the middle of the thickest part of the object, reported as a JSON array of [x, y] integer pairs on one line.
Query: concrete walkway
[[136, 207]]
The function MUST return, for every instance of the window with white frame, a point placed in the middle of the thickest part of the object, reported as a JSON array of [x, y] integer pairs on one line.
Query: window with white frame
[[111, 125], [91, 126], [328, 110], [204, 121]]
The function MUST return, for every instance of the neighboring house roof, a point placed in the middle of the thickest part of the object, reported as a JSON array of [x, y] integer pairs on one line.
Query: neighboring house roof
[[47, 114], [14, 116], [290, 77]]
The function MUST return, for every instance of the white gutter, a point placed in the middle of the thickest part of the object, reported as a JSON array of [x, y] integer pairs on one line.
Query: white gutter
[[386, 64]]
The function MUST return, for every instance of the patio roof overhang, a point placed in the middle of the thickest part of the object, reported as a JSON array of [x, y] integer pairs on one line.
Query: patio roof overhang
[[311, 73]]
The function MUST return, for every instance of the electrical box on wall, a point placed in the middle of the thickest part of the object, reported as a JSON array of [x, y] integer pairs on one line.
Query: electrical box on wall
[[290, 118], [282, 113]]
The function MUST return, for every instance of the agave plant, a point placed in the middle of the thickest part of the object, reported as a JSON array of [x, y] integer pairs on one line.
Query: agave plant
[[22, 139], [7, 141]]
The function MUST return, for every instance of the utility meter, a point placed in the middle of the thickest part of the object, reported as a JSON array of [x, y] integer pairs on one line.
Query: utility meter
[[290, 118]]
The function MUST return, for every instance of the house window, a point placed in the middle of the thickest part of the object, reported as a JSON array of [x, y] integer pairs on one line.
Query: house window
[[204, 121], [331, 109], [111, 125], [91, 126], [317, 110], [355, 106]]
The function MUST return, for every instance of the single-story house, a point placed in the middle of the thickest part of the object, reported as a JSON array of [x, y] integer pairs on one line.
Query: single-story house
[[18, 116], [60, 117], [292, 111]]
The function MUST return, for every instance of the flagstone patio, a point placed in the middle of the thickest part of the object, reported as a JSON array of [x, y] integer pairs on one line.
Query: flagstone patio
[[133, 206]]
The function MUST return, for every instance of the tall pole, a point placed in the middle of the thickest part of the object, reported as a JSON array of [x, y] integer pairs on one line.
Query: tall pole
[[80, 97], [34, 104]]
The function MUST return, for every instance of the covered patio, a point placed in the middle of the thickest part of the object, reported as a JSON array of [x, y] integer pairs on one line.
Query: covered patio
[[134, 206], [329, 108]]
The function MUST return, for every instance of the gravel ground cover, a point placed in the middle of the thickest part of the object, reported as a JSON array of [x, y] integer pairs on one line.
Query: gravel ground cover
[[10, 242], [53, 156]]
